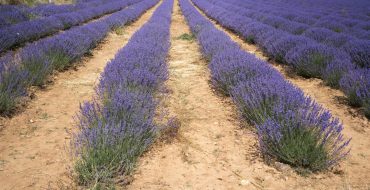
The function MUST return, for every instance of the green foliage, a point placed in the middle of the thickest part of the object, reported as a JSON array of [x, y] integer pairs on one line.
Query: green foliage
[[332, 80], [32, 16], [58, 59], [338, 30], [119, 30], [367, 109], [7, 102], [299, 147], [257, 114], [250, 39], [39, 69], [353, 99], [313, 66], [279, 58], [186, 36], [98, 166]]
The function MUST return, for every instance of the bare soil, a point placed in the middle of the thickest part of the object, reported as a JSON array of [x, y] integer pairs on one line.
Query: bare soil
[[34, 143], [211, 151]]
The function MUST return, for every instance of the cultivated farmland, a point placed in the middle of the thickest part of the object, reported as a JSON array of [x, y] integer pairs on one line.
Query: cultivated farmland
[[185, 94]]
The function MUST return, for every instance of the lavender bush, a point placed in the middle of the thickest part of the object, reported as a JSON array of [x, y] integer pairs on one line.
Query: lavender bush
[[286, 15], [118, 126], [331, 24], [48, 9], [324, 50], [335, 70], [359, 51], [305, 138], [291, 127], [40, 58], [338, 40], [356, 85], [13, 84], [32, 30], [318, 34], [11, 14], [225, 77], [278, 48], [312, 59]]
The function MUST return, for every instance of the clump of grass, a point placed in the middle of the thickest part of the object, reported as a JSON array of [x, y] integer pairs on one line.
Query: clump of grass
[[119, 30], [186, 36]]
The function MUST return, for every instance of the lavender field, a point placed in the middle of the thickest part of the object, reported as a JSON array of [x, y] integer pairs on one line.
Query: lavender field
[[185, 94]]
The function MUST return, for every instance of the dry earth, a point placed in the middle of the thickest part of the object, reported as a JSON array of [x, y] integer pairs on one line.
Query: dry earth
[[34, 143], [210, 151]]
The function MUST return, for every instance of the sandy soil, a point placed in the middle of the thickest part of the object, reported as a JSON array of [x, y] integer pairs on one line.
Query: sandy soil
[[355, 171], [34, 143]]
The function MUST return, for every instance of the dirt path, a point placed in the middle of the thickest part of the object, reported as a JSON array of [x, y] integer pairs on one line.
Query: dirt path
[[211, 152], [33, 144], [356, 170]]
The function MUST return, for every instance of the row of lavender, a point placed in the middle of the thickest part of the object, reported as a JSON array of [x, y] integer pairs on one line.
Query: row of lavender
[[52, 9], [356, 9], [118, 126], [344, 20], [12, 14], [291, 126], [355, 48], [32, 30], [36, 61], [345, 67]]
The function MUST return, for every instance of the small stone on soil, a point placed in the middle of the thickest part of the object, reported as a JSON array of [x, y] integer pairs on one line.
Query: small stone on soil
[[244, 182]]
